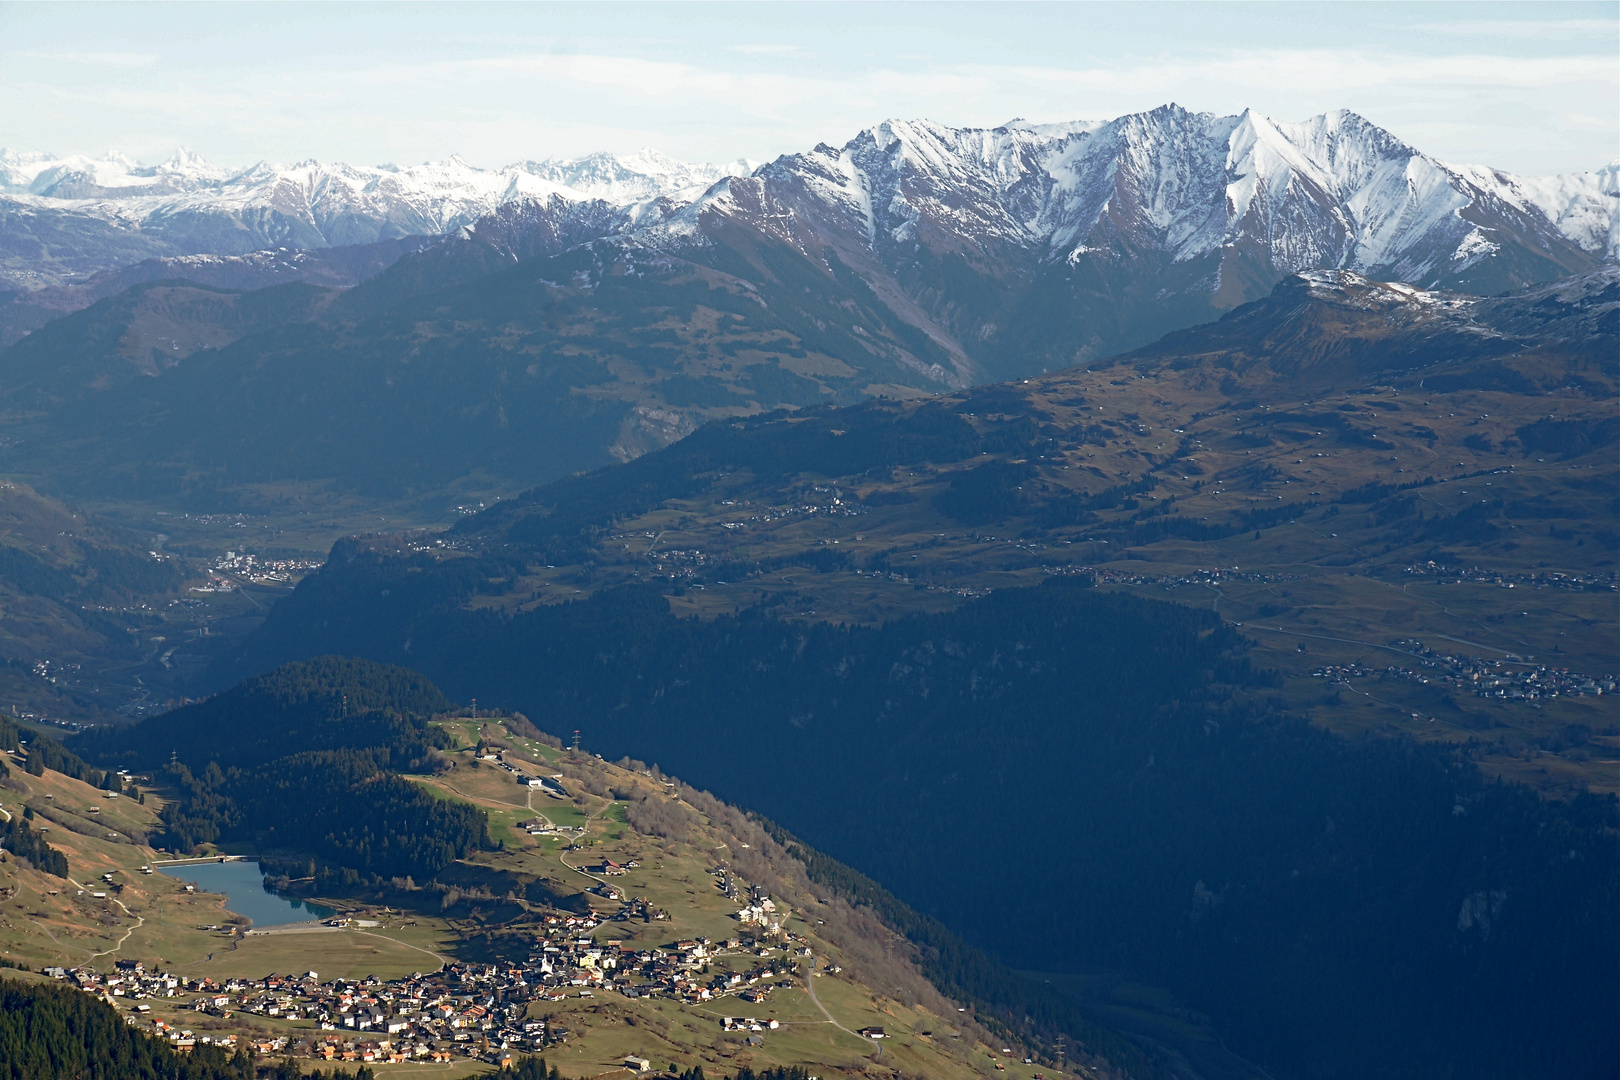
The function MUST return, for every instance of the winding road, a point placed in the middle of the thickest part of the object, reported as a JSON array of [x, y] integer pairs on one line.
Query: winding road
[[140, 921], [583, 830], [810, 988]]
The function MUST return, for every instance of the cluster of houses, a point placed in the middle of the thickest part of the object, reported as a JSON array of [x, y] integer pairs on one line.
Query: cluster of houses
[[457, 1012], [759, 909], [464, 1010], [72, 727], [1506, 680], [832, 505], [1109, 576], [1589, 581], [685, 563], [239, 564]]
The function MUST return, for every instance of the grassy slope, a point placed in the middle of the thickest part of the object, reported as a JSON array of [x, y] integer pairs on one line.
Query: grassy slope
[[675, 877], [43, 921]]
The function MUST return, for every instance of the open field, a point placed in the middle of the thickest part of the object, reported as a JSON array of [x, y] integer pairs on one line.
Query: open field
[[51, 921], [388, 952]]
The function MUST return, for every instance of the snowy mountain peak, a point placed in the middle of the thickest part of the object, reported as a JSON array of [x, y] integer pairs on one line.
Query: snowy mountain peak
[[646, 174], [187, 162], [1229, 205], [1357, 290], [1584, 206]]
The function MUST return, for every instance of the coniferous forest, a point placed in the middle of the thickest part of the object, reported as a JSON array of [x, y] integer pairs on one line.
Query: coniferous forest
[[59, 1033], [17, 837], [306, 760]]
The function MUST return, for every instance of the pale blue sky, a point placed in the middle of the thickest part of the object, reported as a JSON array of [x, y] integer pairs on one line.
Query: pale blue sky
[[1534, 88]]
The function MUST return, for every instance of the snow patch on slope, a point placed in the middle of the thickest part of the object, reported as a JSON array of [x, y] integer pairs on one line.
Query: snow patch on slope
[[1584, 206]]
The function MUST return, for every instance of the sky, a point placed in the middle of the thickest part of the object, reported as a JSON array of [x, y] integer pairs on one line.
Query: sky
[[1532, 88]]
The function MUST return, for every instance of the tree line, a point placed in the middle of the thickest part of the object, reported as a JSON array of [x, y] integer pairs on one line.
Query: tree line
[[50, 1032], [17, 837]]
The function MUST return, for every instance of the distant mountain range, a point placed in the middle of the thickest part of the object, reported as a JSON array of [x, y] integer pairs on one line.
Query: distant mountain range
[[1032, 247], [568, 313], [62, 219]]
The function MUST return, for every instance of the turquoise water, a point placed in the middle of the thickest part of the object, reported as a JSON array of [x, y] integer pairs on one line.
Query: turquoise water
[[246, 893]]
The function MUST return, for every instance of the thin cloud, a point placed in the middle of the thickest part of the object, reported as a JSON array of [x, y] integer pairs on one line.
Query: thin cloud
[[1584, 121], [958, 92], [1518, 29], [1322, 70], [535, 102], [96, 59]]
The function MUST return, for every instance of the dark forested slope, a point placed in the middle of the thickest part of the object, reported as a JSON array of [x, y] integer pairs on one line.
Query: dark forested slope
[[80, 596], [1109, 785], [305, 761], [58, 1033], [1104, 780]]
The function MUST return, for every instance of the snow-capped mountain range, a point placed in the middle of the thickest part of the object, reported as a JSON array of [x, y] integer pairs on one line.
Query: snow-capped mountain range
[[443, 190], [1019, 247], [570, 313], [1028, 247], [90, 215], [1334, 190]]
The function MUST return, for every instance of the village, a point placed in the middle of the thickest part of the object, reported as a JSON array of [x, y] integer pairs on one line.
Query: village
[[1587, 581], [230, 569], [1217, 576], [472, 1010], [1511, 679]]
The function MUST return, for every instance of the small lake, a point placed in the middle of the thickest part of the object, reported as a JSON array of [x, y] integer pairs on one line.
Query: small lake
[[246, 892]]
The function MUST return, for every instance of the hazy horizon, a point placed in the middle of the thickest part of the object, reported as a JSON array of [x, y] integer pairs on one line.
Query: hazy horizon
[[1534, 89]]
